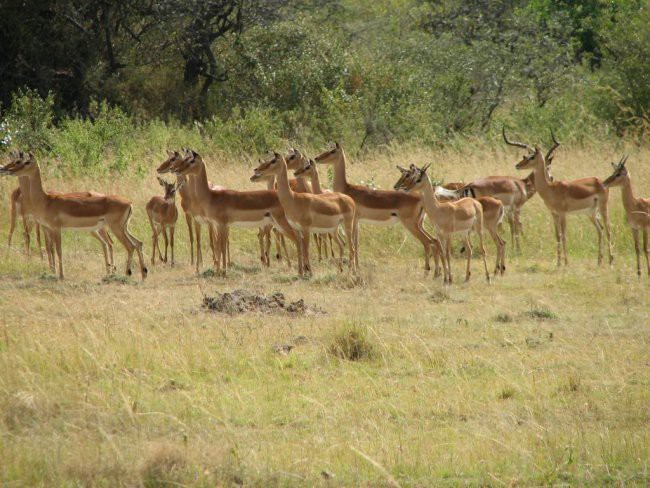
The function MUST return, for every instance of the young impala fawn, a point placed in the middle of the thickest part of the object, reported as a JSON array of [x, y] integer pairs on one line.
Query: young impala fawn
[[162, 215], [449, 218], [58, 212], [637, 210], [307, 212]]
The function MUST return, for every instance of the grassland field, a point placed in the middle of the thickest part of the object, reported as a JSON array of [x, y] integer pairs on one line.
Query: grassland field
[[542, 378]]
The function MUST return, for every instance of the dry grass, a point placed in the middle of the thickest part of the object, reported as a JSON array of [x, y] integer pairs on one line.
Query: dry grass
[[542, 378]]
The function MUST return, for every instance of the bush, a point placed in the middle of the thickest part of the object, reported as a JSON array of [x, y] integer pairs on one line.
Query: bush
[[28, 123]]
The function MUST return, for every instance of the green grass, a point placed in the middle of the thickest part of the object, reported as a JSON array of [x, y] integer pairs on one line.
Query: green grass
[[541, 378]]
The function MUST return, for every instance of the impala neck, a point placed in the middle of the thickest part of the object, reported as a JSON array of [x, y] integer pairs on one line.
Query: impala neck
[[284, 190], [201, 185], [270, 183], [541, 180], [36, 192], [429, 197], [629, 201], [315, 182], [23, 183], [340, 180]]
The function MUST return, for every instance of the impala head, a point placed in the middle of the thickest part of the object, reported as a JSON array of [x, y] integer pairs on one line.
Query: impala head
[[295, 160], [269, 168], [417, 180], [619, 175], [331, 155], [190, 164], [307, 171], [14, 158], [407, 174], [170, 188], [21, 164], [172, 158]]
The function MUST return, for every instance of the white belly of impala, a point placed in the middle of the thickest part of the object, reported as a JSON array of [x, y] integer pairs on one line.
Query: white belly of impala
[[394, 219]]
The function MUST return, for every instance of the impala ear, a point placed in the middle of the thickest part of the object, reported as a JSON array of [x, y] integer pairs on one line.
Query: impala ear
[[403, 170], [424, 170], [161, 182], [170, 153], [276, 155]]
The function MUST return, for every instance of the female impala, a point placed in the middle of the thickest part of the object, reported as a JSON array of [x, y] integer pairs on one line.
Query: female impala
[[383, 207], [224, 208], [192, 211], [307, 212], [637, 210], [457, 217], [585, 195], [310, 171], [493, 213], [24, 202], [162, 215], [86, 213]]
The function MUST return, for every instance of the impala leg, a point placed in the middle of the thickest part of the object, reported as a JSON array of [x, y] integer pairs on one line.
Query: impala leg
[[260, 239], [166, 239], [418, 232], [283, 243], [564, 245], [604, 211], [109, 244], [558, 238], [223, 232], [299, 245], [49, 250], [318, 242], [197, 235], [599, 230], [38, 239], [212, 239], [154, 244], [102, 242], [188, 219], [55, 235], [305, 241], [27, 229], [448, 258], [635, 234], [349, 233], [468, 249], [171, 241], [267, 244], [513, 228], [12, 222], [645, 249], [339, 243]]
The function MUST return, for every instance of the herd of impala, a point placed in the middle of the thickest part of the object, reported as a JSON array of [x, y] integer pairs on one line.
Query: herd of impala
[[299, 208]]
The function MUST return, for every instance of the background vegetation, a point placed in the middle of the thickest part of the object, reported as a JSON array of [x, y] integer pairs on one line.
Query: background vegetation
[[82, 81]]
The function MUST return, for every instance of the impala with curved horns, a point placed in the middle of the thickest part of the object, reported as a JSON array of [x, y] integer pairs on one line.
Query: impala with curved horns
[[585, 195]]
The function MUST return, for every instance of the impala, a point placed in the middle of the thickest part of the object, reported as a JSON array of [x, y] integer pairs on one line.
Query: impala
[[383, 207], [310, 171], [192, 211], [86, 213], [585, 195], [24, 202], [449, 218], [162, 215], [224, 208], [308, 212], [637, 210]]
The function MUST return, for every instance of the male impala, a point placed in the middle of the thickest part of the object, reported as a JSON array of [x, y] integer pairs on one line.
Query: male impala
[[25, 207], [585, 195], [224, 208], [637, 210], [57, 212], [162, 215], [308, 212], [192, 210], [383, 207], [449, 218]]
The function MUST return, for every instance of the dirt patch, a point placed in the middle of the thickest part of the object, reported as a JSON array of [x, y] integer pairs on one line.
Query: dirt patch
[[243, 301]]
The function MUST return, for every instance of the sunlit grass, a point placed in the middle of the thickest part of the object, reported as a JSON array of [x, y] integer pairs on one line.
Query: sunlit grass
[[541, 378]]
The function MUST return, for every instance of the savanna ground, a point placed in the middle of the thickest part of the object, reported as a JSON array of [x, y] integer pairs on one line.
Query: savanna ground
[[541, 378]]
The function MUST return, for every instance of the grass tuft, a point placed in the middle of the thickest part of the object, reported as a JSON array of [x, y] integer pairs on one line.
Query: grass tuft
[[163, 466], [541, 313], [351, 342]]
